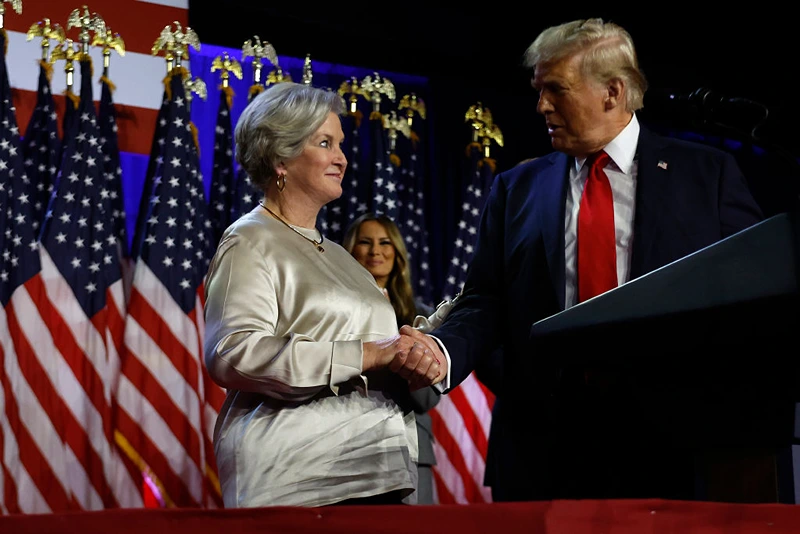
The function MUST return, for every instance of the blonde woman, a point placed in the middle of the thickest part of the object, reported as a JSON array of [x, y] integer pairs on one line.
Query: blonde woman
[[376, 243]]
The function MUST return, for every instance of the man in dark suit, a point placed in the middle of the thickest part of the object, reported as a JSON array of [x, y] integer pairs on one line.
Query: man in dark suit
[[666, 198]]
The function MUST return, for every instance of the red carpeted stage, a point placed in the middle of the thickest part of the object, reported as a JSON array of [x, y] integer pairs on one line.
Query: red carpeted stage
[[568, 517]]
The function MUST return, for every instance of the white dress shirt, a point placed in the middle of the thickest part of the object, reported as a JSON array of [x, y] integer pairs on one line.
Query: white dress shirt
[[621, 171]]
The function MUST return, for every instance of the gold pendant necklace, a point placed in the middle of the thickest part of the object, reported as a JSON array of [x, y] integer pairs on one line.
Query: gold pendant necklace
[[290, 227]]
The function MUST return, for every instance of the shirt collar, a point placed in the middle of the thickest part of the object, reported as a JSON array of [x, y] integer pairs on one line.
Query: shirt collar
[[621, 149]]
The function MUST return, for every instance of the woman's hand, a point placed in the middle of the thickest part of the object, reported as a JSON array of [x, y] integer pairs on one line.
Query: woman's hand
[[379, 354], [411, 354], [424, 365]]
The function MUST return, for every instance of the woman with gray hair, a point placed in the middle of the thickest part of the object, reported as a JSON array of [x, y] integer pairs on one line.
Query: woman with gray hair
[[300, 334]]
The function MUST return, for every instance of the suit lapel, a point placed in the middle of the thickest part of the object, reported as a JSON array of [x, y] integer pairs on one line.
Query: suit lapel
[[652, 181], [551, 209]]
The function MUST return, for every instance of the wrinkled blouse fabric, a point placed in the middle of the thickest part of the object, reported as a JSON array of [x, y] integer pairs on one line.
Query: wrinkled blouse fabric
[[301, 425]]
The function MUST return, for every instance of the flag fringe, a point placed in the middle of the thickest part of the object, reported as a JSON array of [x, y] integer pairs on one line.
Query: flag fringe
[[195, 138], [168, 78], [105, 79], [76, 100], [48, 69], [358, 116], [473, 146], [414, 139], [488, 161], [255, 89], [131, 453], [228, 90], [213, 479]]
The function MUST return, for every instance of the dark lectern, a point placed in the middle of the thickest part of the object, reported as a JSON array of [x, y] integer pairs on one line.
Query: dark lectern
[[706, 348]]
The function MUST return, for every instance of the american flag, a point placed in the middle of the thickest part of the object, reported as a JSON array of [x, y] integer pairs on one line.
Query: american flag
[[112, 171], [355, 189], [412, 214], [168, 405], [222, 186], [384, 173], [71, 103], [156, 158], [32, 472], [41, 147], [480, 175], [66, 326], [245, 194], [462, 418]]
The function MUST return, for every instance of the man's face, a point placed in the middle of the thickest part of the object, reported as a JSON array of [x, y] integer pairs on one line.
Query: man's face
[[574, 106]]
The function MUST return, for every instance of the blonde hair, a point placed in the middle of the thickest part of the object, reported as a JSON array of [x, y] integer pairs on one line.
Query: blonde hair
[[399, 284], [609, 53]]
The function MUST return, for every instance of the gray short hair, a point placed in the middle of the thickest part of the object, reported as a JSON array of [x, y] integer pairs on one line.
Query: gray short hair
[[610, 53], [276, 124]]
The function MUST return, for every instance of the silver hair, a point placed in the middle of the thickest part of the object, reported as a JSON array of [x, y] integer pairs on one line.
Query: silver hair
[[276, 125], [609, 54]]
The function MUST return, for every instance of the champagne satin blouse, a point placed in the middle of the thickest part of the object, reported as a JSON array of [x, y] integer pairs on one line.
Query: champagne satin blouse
[[301, 425]]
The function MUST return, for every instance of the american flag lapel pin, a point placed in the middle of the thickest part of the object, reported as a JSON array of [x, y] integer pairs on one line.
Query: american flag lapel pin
[[662, 165]]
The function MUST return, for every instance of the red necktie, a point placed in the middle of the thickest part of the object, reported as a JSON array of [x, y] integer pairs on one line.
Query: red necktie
[[597, 250]]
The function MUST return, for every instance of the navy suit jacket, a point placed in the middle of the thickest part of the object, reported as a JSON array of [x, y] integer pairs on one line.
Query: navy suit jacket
[[688, 196]]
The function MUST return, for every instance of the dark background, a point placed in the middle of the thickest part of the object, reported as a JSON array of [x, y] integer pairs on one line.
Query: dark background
[[472, 55], [744, 60]]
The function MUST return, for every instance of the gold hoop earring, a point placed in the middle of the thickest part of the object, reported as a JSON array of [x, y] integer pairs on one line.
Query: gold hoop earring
[[281, 182]]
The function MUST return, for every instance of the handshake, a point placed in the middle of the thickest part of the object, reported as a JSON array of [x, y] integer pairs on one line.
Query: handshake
[[412, 353]]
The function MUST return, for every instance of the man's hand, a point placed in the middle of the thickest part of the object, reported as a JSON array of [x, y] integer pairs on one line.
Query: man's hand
[[424, 365]]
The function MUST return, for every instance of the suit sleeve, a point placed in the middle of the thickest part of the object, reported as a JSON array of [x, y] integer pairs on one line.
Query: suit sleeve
[[471, 330], [737, 207]]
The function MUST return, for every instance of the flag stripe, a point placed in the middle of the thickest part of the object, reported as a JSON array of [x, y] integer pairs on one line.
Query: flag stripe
[[142, 425], [20, 451], [87, 362], [447, 438], [471, 403], [164, 324], [78, 425], [158, 394], [471, 457], [150, 321], [449, 488], [138, 23], [466, 417], [136, 124], [40, 447]]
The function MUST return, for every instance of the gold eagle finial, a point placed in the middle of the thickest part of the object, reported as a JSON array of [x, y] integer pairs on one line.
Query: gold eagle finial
[[258, 50], [277, 75], [66, 51], [175, 44], [227, 65], [484, 130], [86, 22], [109, 41], [413, 106], [353, 88], [375, 86], [46, 31]]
